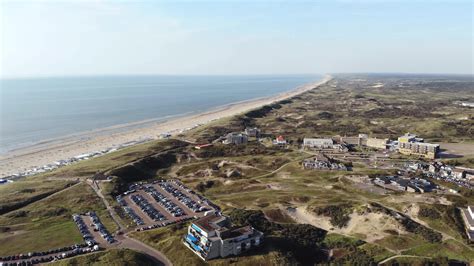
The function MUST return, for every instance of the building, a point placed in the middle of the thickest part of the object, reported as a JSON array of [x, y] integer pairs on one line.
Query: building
[[280, 141], [459, 173], [427, 150], [467, 104], [252, 132], [323, 163], [236, 138], [213, 237], [410, 144], [468, 217], [408, 137], [419, 185], [356, 141], [318, 143], [377, 143]]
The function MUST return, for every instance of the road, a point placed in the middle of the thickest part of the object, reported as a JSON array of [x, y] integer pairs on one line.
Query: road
[[107, 205], [128, 242], [133, 244]]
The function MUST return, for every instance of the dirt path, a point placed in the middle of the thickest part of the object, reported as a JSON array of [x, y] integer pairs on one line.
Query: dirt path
[[107, 205], [401, 256]]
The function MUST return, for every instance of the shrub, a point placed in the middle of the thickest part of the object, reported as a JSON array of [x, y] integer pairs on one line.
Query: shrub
[[429, 213], [339, 214], [302, 242]]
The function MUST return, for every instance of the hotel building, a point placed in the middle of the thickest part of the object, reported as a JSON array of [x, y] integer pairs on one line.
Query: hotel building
[[213, 237], [409, 144]]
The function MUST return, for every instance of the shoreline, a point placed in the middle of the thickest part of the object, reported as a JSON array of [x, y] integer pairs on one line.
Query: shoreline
[[48, 151]]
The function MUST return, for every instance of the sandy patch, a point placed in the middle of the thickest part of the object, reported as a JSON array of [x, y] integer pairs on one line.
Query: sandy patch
[[369, 226], [377, 85], [284, 175], [274, 186], [228, 182]]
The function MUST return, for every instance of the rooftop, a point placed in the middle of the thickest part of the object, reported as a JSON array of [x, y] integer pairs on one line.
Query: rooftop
[[235, 232], [211, 222]]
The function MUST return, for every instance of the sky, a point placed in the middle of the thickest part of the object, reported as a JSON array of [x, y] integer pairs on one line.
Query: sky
[[100, 37]]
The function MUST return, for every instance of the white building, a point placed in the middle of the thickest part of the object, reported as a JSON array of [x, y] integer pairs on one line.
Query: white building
[[318, 143], [468, 217], [213, 237], [236, 138]]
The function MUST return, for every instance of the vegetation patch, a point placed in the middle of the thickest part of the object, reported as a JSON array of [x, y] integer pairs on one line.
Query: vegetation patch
[[113, 257], [339, 213]]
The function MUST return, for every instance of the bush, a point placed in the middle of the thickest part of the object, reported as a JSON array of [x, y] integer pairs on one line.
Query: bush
[[358, 257], [302, 242], [202, 186], [339, 214], [416, 228], [429, 213]]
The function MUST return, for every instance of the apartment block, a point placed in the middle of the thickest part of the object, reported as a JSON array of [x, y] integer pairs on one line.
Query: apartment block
[[318, 143], [213, 236], [410, 144]]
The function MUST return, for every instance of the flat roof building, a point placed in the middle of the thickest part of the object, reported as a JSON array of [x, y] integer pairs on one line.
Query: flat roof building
[[427, 150], [212, 236], [236, 138], [252, 132], [468, 217], [377, 143], [318, 143], [410, 144]]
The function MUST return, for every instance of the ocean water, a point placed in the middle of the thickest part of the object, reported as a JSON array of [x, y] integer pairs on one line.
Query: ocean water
[[35, 110]]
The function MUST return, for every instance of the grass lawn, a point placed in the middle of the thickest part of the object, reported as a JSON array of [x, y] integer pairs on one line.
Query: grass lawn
[[449, 248], [26, 190], [113, 257], [47, 223]]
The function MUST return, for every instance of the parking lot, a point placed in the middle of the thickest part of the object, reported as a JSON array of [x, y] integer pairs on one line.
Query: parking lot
[[92, 230], [161, 203]]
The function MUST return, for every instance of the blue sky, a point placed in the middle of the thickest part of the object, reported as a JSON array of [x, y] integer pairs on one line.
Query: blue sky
[[62, 38]]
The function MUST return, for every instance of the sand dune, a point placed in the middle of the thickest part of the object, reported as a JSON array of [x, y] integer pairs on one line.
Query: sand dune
[[70, 146]]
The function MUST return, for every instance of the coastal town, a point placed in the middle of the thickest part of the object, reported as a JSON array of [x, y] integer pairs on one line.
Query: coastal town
[[225, 193]]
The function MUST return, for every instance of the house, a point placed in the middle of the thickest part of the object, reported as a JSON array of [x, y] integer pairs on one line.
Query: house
[[236, 138], [213, 236], [252, 132], [318, 143], [280, 141]]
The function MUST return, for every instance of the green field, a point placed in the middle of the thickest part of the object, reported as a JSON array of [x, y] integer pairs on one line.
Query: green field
[[112, 257]]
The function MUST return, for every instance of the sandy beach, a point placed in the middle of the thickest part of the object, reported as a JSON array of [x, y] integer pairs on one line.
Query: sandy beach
[[62, 148]]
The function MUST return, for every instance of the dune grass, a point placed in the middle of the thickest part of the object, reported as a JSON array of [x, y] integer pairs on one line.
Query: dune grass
[[47, 224]]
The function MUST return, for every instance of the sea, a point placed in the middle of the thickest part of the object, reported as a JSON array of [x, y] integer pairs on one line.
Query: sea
[[34, 110]]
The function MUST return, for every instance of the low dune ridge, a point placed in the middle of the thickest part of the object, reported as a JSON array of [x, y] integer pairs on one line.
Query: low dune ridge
[[67, 147]]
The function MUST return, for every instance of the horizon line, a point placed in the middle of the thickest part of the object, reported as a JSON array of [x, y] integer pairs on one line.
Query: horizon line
[[236, 74]]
